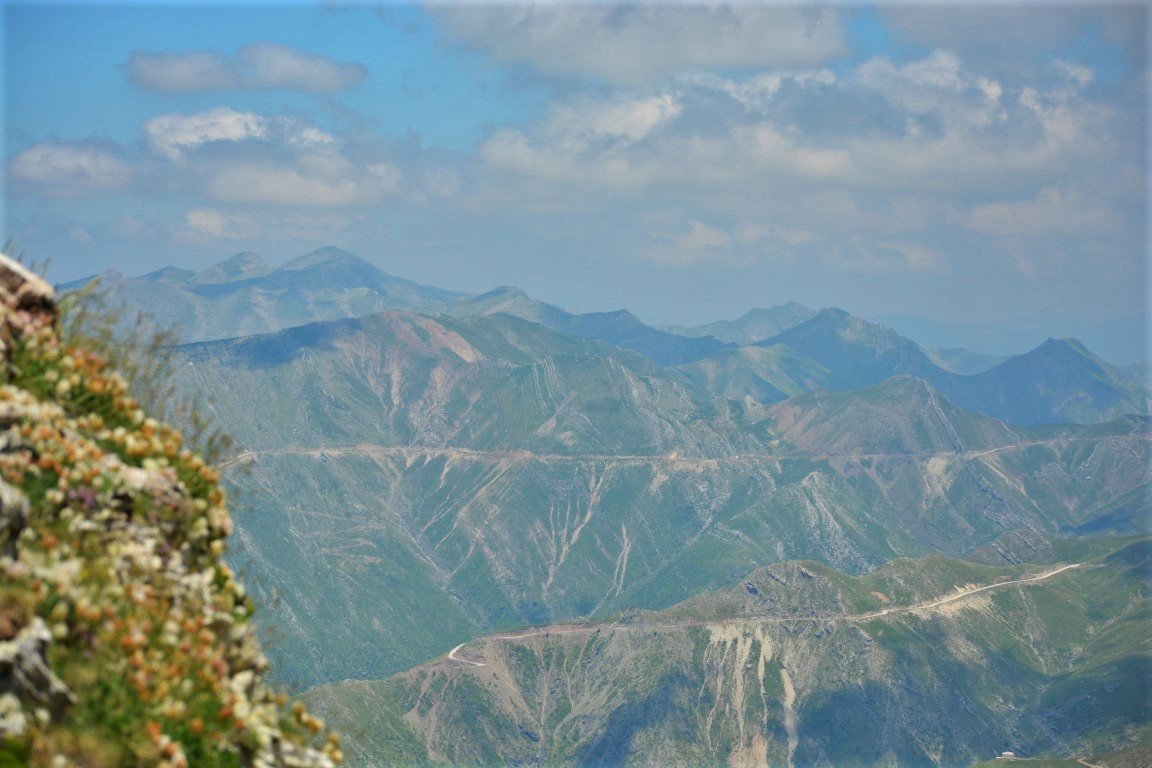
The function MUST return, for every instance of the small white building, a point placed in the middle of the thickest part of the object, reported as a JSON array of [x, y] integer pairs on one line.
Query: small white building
[[1006, 756]]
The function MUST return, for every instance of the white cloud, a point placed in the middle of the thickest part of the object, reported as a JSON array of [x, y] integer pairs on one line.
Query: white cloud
[[172, 135], [212, 226], [1009, 34], [192, 71], [388, 176], [916, 256], [1053, 211], [70, 167], [925, 126], [260, 65], [285, 185], [1079, 74], [623, 120], [213, 223], [636, 43], [699, 243], [701, 237], [442, 182]]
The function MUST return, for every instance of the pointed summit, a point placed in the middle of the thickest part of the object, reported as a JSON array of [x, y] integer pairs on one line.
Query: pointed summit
[[502, 292]]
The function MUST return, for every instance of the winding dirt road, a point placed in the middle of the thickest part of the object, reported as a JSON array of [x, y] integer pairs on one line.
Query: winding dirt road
[[413, 451], [569, 629]]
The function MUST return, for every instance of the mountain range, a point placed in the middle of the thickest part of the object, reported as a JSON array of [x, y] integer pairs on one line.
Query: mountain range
[[513, 475], [244, 295], [1059, 381], [452, 467], [1121, 341], [753, 326]]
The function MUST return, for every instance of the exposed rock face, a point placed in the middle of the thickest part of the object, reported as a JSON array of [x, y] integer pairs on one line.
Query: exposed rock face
[[24, 674], [124, 639]]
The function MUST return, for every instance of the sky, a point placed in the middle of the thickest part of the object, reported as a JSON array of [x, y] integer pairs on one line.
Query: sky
[[964, 163]]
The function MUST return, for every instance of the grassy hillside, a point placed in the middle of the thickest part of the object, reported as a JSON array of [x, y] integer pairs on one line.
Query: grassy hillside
[[794, 665]]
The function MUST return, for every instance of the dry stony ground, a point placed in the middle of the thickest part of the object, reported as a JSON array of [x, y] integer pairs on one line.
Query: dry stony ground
[[124, 638]]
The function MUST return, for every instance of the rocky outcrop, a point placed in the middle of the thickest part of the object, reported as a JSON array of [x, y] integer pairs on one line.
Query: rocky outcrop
[[124, 638]]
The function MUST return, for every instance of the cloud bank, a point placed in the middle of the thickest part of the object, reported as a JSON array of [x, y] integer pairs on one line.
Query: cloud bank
[[256, 66]]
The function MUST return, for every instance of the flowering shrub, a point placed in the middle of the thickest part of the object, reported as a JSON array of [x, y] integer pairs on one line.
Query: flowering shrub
[[111, 536]]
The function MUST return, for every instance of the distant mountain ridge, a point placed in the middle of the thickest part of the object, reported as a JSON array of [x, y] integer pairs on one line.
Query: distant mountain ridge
[[243, 295], [754, 325], [1059, 381], [619, 328], [1121, 341]]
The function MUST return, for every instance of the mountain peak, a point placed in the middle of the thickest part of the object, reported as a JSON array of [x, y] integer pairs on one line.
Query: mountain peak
[[240, 266], [1060, 351], [833, 313], [619, 314], [503, 292], [327, 254], [1069, 343]]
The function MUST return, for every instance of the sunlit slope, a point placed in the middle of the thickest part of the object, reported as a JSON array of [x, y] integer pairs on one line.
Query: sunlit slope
[[493, 473], [793, 666]]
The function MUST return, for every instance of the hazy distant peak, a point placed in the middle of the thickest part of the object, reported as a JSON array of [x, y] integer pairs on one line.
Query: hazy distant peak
[[755, 325], [169, 275], [325, 255], [792, 308], [619, 314], [1061, 345], [847, 327], [241, 266], [502, 291], [1059, 350], [835, 313]]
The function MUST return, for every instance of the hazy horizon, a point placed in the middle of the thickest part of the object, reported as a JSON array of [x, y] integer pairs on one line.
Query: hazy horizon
[[966, 165]]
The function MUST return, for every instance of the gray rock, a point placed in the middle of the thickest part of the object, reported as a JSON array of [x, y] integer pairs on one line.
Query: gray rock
[[13, 516], [24, 673]]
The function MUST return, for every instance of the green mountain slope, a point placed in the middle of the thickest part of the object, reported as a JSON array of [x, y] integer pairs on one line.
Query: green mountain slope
[[498, 474], [916, 664]]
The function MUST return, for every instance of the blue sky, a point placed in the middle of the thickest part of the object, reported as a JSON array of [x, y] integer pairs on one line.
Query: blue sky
[[964, 163]]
